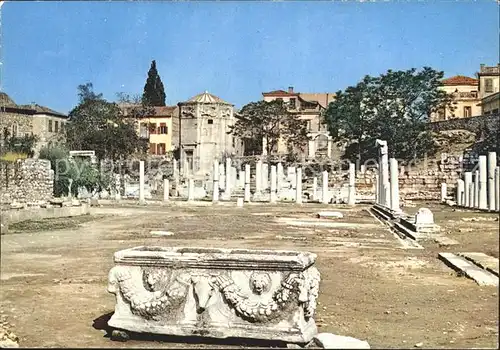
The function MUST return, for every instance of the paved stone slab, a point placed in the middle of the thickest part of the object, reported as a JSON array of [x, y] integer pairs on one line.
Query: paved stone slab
[[482, 260], [458, 263], [445, 241]]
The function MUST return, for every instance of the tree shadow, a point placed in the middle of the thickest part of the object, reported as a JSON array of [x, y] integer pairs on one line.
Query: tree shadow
[[101, 323]]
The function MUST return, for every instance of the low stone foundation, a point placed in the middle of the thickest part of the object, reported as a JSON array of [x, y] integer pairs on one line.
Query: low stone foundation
[[19, 215]]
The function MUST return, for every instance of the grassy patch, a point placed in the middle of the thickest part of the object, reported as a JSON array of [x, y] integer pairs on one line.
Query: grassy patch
[[52, 224]]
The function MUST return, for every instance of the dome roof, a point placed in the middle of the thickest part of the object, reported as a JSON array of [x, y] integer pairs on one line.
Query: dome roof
[[206, 98]]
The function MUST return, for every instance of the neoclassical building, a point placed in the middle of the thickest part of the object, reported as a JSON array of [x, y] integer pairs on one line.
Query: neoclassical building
[[465, 97], [33, 119], [489, 89], [472, 96], [309, 107], [204, 123], [159, 128]]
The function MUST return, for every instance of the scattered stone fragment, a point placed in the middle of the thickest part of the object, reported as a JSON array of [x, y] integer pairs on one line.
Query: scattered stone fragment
[[15, 205], [119, 335], [329, 214], [162, 233], [419, 345], [7, 343], [332, 341], [445, 241]]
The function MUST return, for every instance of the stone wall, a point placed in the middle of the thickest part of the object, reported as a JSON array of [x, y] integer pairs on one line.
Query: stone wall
[[417, 184], [473, 124], [26, 181], [22, 124]]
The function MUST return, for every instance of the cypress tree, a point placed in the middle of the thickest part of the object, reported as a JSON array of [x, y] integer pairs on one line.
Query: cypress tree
[[154, 93]]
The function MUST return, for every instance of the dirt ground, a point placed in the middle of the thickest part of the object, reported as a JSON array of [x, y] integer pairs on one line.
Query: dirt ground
[[53, 281]]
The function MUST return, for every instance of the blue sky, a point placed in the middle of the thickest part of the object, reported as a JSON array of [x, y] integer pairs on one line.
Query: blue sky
[[235, 50]]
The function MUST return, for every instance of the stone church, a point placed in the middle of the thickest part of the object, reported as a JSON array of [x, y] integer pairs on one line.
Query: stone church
[[204, 125]]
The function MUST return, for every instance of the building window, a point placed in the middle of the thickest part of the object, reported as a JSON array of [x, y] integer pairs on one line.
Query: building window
[[467, 111], [50, 125], [62, 127], [309, 106], [488, 85], [163, 129], [279, 99], [56, 126], [189, 159], [210, 121], [292, 103], [152, 148], [309, 126], [234, 142], [161, 149]]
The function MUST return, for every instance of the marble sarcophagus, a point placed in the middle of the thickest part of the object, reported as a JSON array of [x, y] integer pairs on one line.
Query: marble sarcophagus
[[262, 294]]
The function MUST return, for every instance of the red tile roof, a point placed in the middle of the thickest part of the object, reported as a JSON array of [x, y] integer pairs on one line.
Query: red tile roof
[[42, 110], [460, 80], [279, 93], [164, 111]]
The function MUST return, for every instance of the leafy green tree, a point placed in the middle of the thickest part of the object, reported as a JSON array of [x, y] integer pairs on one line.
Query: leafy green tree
[[79, 172], [349, 117], [59, 161], [269, 121], [99, 125], [154, 92], [20, 144], [395, 107], [90, 176]]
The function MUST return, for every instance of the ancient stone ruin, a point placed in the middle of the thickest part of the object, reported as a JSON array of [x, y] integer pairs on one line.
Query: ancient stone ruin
[[219, 293], [26, 181]]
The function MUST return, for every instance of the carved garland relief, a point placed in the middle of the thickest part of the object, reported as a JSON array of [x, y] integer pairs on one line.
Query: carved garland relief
[[161, 293]]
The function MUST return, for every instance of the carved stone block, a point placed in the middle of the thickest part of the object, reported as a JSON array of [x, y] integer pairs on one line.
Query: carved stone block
[[219, 293]]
